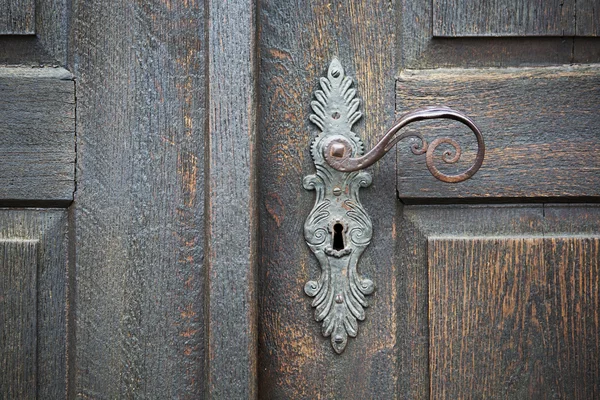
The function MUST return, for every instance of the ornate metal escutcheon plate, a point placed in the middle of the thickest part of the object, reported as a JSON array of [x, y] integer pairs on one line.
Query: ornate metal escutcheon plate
[[338, 230]]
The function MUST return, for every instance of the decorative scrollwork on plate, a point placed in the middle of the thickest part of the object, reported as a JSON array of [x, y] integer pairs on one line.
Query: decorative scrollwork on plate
[[337, 229]]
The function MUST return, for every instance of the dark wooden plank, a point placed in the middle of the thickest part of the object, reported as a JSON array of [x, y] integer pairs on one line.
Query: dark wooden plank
[[297, 42], [419, 49], [515, 318], [18, 319], [37, 134], [231, 209], [139, 205], [48, 229], [588, 18], [17, 17], [540, 126], [418, 223], [48, 47], [52, 24], [504, 18]]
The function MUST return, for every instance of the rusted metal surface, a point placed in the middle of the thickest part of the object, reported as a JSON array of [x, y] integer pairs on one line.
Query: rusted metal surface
[[338, 151]]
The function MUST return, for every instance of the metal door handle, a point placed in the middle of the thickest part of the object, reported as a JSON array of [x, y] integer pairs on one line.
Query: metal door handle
[[338, 151], [338, 229]]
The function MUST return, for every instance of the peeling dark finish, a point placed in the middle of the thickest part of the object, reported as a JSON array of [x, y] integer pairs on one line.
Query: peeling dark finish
[[490, 224]]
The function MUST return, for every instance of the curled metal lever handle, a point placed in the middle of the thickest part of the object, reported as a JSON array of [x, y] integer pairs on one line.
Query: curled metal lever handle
[[338, 151]]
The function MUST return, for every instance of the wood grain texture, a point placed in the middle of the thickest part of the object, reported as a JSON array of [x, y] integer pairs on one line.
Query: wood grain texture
[[17, 17], [540, 127], [420, 49], [48, 47], [38, 241], [52, 24], [588, 18], [509, 222], [139, 205], [18, 319], [37, 134], [297, 42], [231, 209], [514, 317], [504, 18], [418, 223]]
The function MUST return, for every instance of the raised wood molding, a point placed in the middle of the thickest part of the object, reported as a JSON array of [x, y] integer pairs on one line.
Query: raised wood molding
[[537, 295], [17, 17], [540, 127], [37, 135], [18, 318]]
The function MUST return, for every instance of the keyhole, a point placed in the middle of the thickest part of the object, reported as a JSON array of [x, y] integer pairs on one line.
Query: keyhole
[[338, 237]]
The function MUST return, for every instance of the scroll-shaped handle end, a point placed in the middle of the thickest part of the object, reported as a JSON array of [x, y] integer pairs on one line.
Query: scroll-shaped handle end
[[338, 151]]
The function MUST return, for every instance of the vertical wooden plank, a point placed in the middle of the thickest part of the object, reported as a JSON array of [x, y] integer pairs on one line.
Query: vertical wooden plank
[[297, 40], [588, 18], [573, 293], [514, 317], [504, 18], [17, 17], [47, 228], [18, 319], [139, 204], [231, 208]]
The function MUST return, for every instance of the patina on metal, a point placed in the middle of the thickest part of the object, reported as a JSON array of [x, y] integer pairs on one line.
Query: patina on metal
[[338, 229], [339, 155]]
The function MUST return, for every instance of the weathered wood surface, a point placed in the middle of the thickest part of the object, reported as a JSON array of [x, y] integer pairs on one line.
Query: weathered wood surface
[[139, 204], [508, 222], [52, 24], [504, 18], [17, 17], [48, 47], [297, 41], [514, 317], [37, 135], [540, 127], [418, 223], [18, 319], [34, 243], [420, 49], [588, 18], [231, 210]]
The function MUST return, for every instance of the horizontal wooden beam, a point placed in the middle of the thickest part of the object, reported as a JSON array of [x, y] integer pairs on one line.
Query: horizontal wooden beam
[[541, 128], [37, 134]]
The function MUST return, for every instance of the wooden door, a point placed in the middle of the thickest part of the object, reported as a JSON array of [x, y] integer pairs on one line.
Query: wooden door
[[151, 164], [484, 289]]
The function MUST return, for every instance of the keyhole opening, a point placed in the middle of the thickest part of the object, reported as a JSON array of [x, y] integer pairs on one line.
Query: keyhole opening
[[338, 237]]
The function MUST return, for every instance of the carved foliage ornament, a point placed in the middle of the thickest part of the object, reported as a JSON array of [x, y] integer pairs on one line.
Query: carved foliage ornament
[[338, 229]]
